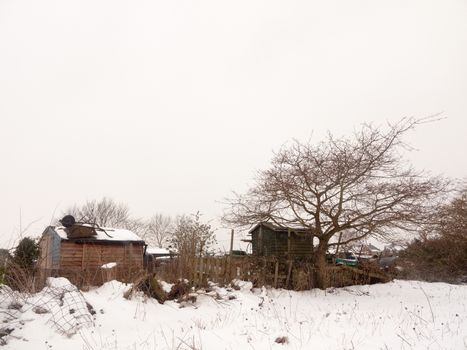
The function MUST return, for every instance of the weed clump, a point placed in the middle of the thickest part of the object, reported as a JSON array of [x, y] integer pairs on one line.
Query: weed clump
[[149, 286], [180, 289]]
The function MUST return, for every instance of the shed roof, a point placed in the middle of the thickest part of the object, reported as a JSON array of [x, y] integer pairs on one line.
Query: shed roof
[[296, 228], [158, 251], [107, 234], [373, 248]]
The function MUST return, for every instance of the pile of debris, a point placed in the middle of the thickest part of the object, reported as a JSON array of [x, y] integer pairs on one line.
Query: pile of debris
[[180, 291]]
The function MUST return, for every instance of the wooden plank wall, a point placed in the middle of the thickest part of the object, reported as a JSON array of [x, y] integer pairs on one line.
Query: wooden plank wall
[[82, 262], [267, 242], [45, 246], [301, 245]]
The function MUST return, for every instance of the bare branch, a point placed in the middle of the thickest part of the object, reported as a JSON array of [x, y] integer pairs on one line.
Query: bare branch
[[358, 185]]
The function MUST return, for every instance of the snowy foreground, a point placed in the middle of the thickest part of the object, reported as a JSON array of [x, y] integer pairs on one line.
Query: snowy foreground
[[397, 315]]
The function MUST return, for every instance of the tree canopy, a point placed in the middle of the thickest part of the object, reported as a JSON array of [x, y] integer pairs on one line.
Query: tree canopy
[[359, 185]]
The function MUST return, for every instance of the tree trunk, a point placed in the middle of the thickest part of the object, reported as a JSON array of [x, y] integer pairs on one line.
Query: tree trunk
[[322, 276]]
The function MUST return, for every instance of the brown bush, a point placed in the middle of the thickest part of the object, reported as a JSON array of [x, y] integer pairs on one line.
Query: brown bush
[[179, 289], [435, 260], [441, 255]]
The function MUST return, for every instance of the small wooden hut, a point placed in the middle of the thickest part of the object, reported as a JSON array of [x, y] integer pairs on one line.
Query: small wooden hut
[[90, 255], [156, 256], [282, 242]]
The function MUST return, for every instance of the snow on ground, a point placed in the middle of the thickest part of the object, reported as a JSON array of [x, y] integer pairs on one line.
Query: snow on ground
[[396, 315]]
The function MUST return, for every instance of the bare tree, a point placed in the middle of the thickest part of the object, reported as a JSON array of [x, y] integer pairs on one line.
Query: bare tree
[[358, 185], [191, 236], [107, 213], [158, 230]]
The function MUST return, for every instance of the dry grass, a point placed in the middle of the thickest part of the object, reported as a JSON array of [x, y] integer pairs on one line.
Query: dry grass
[[19, 278], [296, 275]]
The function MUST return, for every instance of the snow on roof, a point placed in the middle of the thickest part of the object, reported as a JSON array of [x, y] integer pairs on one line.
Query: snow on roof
[[157, 251], [293, 227], [373, 248], [105, 234]]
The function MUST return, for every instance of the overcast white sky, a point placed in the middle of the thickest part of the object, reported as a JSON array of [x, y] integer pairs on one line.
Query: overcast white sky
[[168, 106]]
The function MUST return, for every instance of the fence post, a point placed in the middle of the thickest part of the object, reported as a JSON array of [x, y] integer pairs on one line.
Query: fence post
[[289, 272], [229, 260], [194, 261], [226, 270], [200, 272], [276, 273], [231, 241], [219, 270]]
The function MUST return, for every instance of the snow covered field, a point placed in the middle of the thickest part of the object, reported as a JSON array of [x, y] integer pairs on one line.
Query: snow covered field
[[397, 315]]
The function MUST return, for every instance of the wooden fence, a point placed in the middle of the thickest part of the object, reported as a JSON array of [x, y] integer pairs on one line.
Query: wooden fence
[[288, 274]]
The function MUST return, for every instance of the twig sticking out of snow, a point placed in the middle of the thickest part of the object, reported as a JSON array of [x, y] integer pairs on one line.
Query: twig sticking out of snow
[[429, 304]]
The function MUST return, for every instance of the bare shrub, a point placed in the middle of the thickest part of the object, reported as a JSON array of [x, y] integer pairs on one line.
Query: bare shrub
[[301, 280], [440, 255], [192, 237], [436, 259], [180, 289], [19, 278]]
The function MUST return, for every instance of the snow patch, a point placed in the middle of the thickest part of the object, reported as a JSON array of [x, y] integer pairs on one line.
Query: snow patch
[[392, 316], [109, 265]]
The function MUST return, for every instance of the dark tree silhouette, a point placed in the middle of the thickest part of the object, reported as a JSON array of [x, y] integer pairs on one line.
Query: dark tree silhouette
[[26, 253]]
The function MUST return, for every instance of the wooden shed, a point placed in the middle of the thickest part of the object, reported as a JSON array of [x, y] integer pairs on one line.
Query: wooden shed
[[157, 256], [283, 242], [89, 255]]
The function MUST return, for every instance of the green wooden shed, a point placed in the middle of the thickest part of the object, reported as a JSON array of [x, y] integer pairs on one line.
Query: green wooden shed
[[282, 242]]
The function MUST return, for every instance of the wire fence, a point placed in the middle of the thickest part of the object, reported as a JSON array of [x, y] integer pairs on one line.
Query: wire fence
[[61, 301]]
